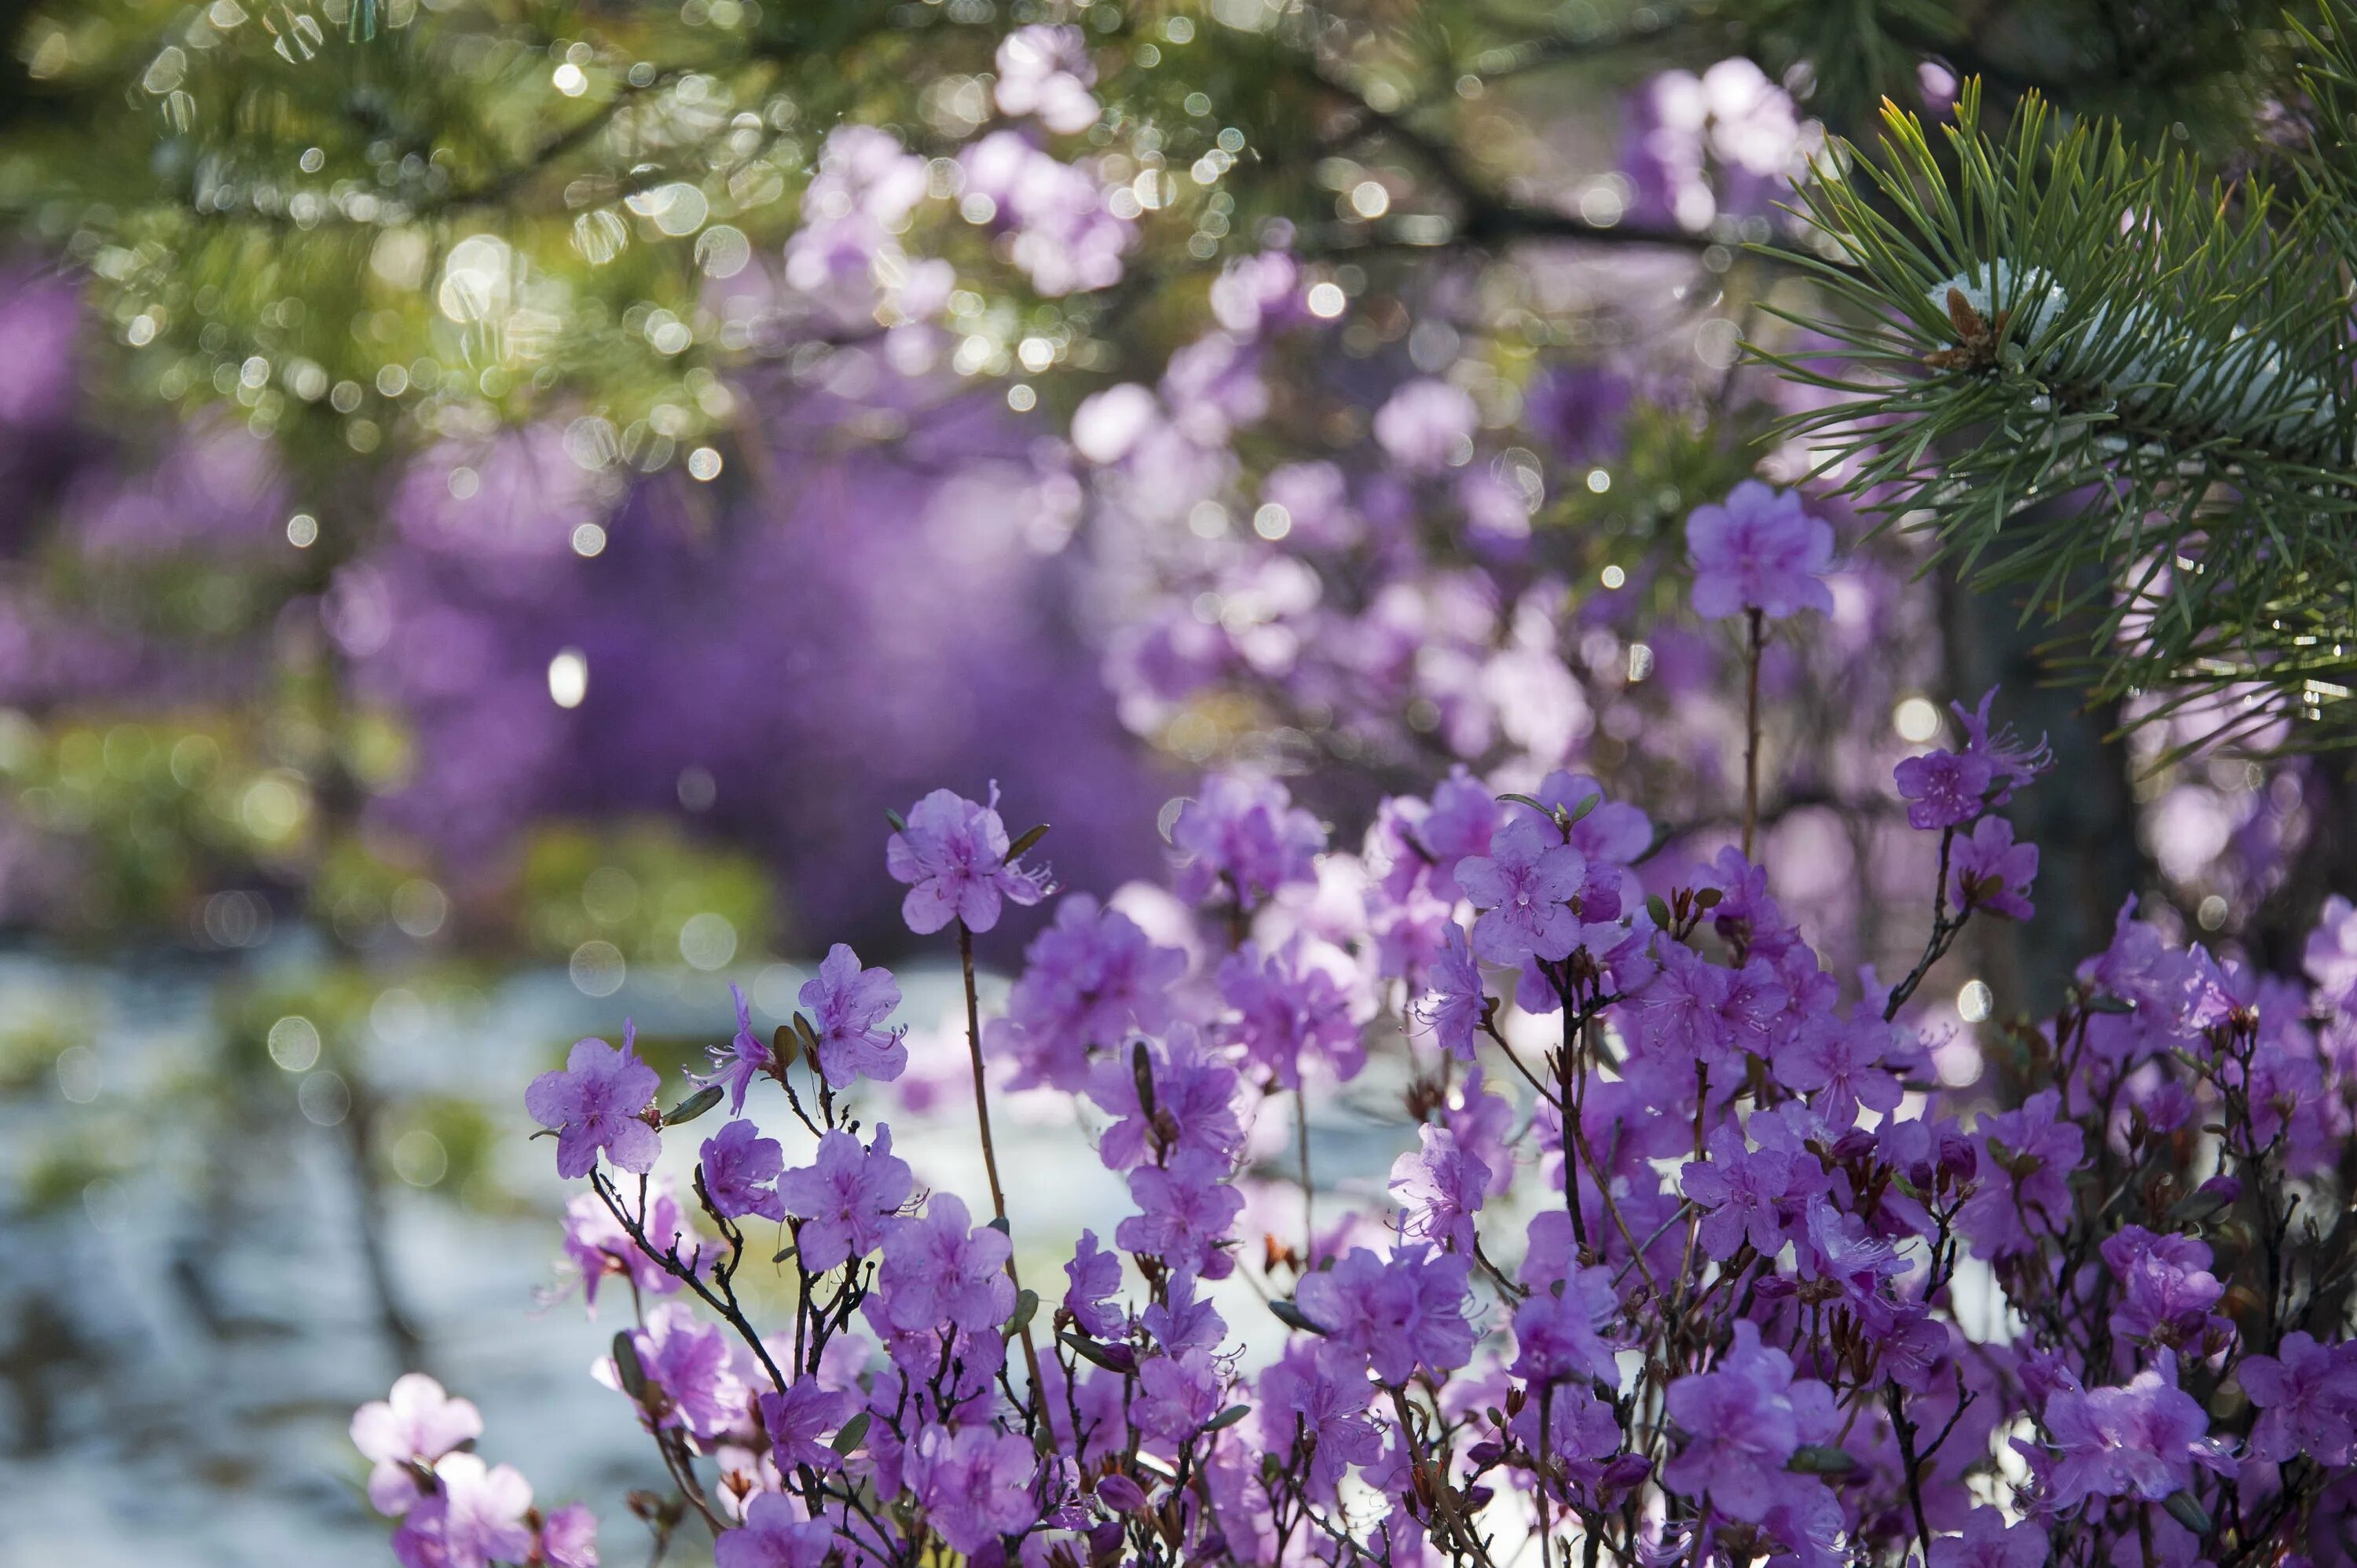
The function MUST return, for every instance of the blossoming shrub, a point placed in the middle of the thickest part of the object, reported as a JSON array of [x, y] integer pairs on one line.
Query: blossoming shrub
[[1749, 1283]]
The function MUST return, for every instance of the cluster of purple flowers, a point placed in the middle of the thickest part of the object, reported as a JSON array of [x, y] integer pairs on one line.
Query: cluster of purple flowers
[[1730, 1275]]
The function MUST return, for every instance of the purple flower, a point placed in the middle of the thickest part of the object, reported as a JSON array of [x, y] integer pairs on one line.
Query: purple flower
[[1988, 870], [1744, 1418], [1461, 821], [2026, 1160], [849, 1005], [1194, 1103], [1455, 1006], [598, 1245], [798, 1421], [1286, 1009], [1177, 1394], [1426, 425], [774, 1535], [1555, 1332], [1095, 1276], [1186, 1210], [952, 853], [1943, 789], [1836, 1251], [845, 1198], [1758, 551], [416, 1423], [473, 1518], [941, 1268], [1045, 71], [691, 1373], [741, 1061], [2330, 956], [1838, 1064], [599, 1102], [2141, 1440], [1738, 1190], [568, 1538], [1244, 836], [975, 1484], [1524, 887], [2166, 1287], [1400, 1313], [1313, 1405], [1182, 1320], [1441, 1188], [740, 1164], [1989, 1543], [2012, 763], [2307, 1394], [1089, 979]]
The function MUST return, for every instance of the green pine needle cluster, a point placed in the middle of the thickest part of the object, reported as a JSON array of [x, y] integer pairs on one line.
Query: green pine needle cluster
[[2119, 379]]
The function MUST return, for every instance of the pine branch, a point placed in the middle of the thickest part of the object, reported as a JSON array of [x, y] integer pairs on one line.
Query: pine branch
[[2055, 315]]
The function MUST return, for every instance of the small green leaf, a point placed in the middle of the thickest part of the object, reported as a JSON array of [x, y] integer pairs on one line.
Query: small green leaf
[[1527, 800], [1227, 1418], [1027, 1306], [1586, 804], [1659, 908], [627, 1370], [784, 1254], [1029, 837], [693, 1106], [848, 1437], [2187, 1509], [1293, 1316], [1820, 1459], [899, 823], [1111, 1358]]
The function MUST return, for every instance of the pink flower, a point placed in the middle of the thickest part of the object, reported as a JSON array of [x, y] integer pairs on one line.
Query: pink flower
[[473, 1518], [1988, 870], [1441, 1188], [1523, 889], [1745, 1418], [1556, 1335], [745, 1058], [1088, 980], [954, 855], [690, 1374], [1400, 1313], [596, 1103], [2307, 1395], [1989, 1543], [846, 1201], [774, 1535], [797, 1422], [1758, 551], [1244, 836], [1454, 1007], [740, 1164], [943, 1269], [2141, 1440], [415, 1424], [848, 1005], [975, 1484], [598, 1245], [1943, 789]]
